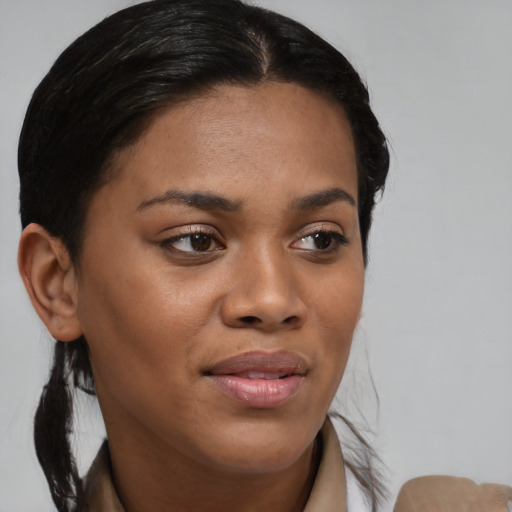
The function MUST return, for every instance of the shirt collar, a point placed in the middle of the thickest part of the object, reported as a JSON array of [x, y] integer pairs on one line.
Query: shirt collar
[[328, 492]]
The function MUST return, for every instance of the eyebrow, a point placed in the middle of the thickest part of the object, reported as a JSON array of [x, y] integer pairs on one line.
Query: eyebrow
[[201, 200], [210, 202], [322, 198]]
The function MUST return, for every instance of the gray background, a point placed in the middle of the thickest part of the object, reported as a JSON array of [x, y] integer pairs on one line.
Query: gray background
[[437, 322]]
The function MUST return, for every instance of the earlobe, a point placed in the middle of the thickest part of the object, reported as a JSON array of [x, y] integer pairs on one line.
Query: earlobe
[[50, 280]]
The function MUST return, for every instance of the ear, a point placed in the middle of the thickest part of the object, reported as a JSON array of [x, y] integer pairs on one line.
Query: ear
[[50, 280]]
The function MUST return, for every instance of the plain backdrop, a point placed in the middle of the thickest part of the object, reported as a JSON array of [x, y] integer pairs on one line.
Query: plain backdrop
[[436, 331]]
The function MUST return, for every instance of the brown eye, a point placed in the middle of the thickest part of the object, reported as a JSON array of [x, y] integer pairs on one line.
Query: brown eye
[[321, 241], [200, 242], [193, 243]]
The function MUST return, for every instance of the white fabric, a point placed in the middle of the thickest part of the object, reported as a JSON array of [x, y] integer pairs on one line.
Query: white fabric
[[356, 500]]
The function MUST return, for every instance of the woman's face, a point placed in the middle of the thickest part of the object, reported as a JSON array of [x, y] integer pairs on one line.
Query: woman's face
[[221, 277]]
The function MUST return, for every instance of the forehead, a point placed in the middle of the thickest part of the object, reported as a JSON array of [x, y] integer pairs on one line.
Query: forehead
[[271, 135]]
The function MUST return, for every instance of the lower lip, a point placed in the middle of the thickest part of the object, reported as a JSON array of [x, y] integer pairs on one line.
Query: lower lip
[[258, 393]]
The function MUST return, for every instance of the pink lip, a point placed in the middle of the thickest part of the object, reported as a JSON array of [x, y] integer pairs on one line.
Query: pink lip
[[260, 379]]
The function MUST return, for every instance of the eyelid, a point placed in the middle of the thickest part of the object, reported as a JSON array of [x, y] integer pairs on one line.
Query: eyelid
[[320, 227]]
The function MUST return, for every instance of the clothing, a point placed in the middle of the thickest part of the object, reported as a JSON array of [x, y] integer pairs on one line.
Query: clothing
[[452, 494], [332, 483], [327, 495]]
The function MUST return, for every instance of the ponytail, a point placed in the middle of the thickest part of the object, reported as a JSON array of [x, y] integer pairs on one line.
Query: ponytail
[[53, 423]]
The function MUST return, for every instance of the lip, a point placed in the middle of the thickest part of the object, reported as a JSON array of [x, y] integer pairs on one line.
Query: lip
[[260, 379]]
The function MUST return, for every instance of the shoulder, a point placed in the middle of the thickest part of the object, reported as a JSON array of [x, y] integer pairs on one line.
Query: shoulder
[[438, 493]]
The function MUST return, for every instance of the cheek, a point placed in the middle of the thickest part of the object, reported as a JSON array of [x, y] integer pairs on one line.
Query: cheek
[[139, 327], [338, 310], [338, 302]]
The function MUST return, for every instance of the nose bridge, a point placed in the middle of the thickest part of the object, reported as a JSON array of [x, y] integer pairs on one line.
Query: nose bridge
[[265, 292], [271, 280]]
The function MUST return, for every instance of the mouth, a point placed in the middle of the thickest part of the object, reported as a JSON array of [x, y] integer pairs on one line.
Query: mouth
[[262, 375], [259, 379]]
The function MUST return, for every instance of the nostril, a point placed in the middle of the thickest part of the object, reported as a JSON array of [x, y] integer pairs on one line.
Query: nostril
[[250, 320]]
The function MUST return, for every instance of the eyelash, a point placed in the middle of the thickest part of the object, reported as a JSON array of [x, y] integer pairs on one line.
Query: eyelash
[[336, 241], [190, 232]]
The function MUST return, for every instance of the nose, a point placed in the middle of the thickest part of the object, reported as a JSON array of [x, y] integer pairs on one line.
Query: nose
[[263, 294]]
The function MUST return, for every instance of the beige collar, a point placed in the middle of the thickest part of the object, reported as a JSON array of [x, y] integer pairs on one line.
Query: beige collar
[[328, 492]]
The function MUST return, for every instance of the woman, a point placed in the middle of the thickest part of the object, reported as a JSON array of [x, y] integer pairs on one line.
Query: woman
[[197, 183], [237, 160]]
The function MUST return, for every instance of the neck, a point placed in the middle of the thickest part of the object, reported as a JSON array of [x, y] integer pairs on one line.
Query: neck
[[159, 479]]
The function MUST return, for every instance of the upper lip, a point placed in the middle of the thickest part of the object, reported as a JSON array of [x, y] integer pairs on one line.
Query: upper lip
[[283, 362]]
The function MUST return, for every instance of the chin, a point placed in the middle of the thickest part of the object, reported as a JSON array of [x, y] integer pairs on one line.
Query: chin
[[261, 448]]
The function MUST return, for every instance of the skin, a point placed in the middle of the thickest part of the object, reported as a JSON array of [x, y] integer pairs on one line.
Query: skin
[[157, 314]]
